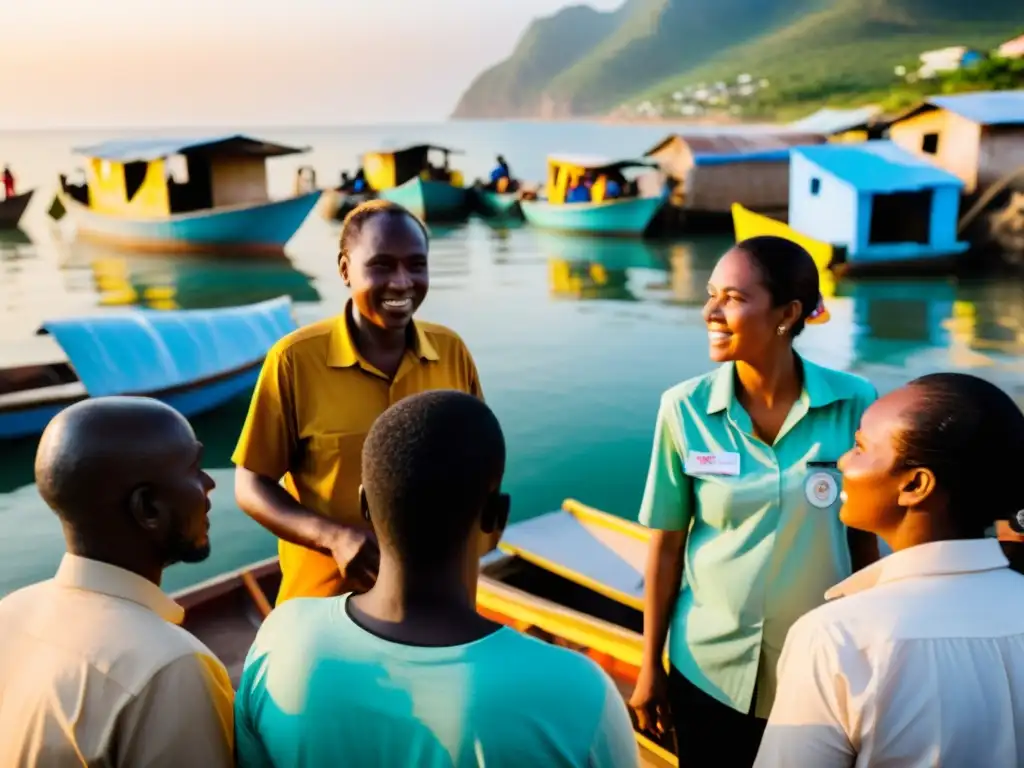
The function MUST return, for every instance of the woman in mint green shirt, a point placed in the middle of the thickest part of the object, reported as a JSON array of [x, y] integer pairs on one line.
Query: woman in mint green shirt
[[743, 497]]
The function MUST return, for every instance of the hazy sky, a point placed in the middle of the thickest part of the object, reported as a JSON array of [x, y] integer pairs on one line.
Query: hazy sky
[[121, 63]]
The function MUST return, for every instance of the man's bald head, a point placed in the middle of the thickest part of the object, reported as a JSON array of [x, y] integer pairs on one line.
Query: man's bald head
[[126, 468]]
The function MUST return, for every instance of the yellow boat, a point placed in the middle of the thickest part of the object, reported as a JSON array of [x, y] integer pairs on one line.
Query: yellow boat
[[433, 191], [573, 577]]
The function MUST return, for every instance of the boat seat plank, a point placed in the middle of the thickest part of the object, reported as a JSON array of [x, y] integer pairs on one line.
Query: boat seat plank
[[559, 538], [42, 395]]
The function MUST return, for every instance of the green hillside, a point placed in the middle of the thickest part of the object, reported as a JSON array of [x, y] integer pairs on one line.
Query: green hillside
[[846, 53], [549, 46], [581, 62]]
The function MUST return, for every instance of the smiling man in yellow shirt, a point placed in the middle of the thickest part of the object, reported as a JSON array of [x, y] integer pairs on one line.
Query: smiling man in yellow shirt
[[321, 389]]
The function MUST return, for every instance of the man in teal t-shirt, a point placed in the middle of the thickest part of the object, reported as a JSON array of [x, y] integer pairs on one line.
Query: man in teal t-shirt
[[409, 674]]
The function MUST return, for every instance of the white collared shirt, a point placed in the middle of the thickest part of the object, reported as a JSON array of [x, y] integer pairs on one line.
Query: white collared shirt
[[921, 663], [94, 671]]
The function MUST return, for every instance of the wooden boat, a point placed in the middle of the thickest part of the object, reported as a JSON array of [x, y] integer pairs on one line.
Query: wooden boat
[[434, 192], [194, 360], [570, 577], [496, 204], [13, 208], [628, 215], [335, 205], [184, 195]]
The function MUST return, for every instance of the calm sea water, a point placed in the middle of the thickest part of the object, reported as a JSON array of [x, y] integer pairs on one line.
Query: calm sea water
[[575, 339]]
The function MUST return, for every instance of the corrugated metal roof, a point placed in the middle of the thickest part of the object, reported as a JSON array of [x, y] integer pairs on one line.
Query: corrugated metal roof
[[413, 148], [144, 149], [146, 351], [737, 144], [765, 156], [986, 108], [878, 166], [596, 162], [832, 121]]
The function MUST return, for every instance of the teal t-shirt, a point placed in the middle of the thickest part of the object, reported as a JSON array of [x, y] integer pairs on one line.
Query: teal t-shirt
[[319, 690]]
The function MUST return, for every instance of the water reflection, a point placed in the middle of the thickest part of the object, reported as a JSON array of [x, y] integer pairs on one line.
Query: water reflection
[[188, 282], [894, 320], [585, 268]]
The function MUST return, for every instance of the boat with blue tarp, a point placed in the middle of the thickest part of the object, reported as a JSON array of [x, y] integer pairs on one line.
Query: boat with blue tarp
[[590, 195], [193, 194], [193, 360]]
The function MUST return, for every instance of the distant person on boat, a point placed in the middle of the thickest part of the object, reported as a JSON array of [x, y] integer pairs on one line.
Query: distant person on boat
[[917, 660], [615, 185], [9, 183], [743, 497], [93, 669], [580, 191], [409, 673], [320, 390], [359, 182], [346, 183], [501, 178]]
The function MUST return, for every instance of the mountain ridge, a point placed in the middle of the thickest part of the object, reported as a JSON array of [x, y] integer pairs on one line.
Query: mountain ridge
[[579, 64]]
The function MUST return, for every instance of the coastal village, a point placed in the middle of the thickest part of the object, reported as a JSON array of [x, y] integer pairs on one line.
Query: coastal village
[[897, 200]]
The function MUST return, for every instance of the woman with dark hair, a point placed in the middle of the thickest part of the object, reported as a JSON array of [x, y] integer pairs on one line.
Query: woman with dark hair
[[742, 495], [921, 662]]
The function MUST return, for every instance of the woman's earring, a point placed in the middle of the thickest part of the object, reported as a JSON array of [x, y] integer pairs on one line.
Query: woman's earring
[[781, 330]]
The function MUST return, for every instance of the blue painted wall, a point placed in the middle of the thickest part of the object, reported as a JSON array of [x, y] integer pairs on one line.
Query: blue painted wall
[[831, 214], [823, 206]]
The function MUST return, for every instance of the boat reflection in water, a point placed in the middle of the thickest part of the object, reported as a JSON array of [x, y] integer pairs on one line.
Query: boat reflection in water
[[190, 282], [896, 321], [588, 268]]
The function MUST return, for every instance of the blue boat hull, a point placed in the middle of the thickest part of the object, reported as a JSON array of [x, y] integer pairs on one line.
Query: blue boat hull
[[625, 217], [430, 200], [266, 226], [191, 402]]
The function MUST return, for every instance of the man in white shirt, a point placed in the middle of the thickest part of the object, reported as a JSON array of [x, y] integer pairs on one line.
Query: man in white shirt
[[921, 661], [93, 669]]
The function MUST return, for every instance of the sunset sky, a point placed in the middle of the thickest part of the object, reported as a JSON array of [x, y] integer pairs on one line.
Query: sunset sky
[[124, 63]]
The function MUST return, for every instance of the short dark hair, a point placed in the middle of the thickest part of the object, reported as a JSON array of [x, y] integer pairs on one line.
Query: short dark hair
[[430, 463], [971, 435], [358, 217], [788, 272]]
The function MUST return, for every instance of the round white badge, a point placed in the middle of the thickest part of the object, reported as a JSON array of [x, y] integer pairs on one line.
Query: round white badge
[[821, 490]]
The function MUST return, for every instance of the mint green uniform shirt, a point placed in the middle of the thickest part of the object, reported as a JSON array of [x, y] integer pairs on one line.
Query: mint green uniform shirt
[[765, 540], [318, 690]]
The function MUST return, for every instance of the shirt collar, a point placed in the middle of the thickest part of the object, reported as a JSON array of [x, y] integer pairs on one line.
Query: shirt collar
[[938, 558], [817, 389], [93, 576], [342, 352]]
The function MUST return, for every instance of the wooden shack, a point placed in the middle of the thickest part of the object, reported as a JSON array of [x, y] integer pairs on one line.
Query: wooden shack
[[710, 172], [979, 137]]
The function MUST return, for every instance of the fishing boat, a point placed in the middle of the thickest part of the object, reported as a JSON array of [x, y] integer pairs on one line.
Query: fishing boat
[[432, 191], [572, 577], [193, 360], [13, 208], [195, 194], [494, 204], [629, 214]]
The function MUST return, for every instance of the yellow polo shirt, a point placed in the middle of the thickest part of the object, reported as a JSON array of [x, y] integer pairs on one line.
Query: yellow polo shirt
[[314, 403]]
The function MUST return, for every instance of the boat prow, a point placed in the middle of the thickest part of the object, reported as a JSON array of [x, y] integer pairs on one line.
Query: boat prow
[[194, 360], [13, 208]]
